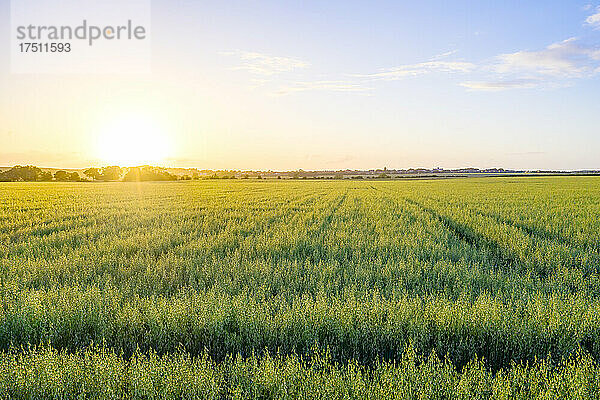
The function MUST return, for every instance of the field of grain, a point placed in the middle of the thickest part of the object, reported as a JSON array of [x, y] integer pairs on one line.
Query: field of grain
[[456, 288]]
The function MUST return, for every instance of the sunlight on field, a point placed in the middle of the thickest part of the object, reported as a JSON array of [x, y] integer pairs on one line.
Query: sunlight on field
[[208, 288]]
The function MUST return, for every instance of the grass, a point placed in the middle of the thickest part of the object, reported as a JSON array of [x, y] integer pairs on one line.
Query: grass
[[100, 373], [263, 289]]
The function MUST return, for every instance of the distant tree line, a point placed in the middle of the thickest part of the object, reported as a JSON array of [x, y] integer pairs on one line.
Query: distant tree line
[[64, 176], [146, 173], [134, 174], [31, 173], [149, 173]]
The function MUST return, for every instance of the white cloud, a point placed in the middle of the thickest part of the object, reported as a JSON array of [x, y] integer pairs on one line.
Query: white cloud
[[424, 68], [359, 83], [263, 64], [267, 65], [495, 86], [557, 65], [594, 19], [566, 59], [335, 86], [443, 55]]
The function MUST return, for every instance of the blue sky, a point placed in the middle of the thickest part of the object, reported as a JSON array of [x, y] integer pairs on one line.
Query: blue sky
[[322, 85]]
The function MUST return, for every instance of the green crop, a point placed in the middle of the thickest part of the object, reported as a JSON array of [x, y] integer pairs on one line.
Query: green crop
[[314, 289]]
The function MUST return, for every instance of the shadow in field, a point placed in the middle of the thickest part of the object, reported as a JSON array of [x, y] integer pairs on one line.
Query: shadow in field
[[537, 233], [314, 248], [500, 256], [592, 266]]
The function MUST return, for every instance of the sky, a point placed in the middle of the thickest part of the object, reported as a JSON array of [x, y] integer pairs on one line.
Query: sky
[[326, 85]]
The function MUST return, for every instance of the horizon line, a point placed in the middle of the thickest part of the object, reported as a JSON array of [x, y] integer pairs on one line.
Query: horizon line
[[384, 169]]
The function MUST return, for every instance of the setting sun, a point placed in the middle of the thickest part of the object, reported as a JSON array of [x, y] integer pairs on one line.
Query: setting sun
[[133, 140]]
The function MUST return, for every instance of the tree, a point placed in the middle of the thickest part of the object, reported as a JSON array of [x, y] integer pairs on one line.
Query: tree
[[24, 174], [74, 177], [93, 173], [61, 176], [147, 173], [45, 176], [112, 173]]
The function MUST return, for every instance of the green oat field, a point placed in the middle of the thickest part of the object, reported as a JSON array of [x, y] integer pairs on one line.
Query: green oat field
[[455, 288]]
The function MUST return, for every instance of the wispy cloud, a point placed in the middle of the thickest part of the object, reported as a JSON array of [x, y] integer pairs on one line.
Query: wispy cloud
[[566, 59], [360, 82], [557, 65], [263, 64], [424, 68], [335, 86], [501, 85], [443, 55], [594, 19]]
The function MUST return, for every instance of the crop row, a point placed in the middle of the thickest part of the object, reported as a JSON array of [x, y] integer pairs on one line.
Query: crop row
[[44, 373], [366, 329]]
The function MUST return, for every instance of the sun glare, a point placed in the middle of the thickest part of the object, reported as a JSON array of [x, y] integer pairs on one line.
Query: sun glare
[[133, 141]]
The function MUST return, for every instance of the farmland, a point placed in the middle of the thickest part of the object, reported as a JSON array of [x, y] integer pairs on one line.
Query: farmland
[[321, 289]]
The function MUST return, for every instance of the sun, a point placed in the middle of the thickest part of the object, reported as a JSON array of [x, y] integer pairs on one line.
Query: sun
[[133, 140]]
